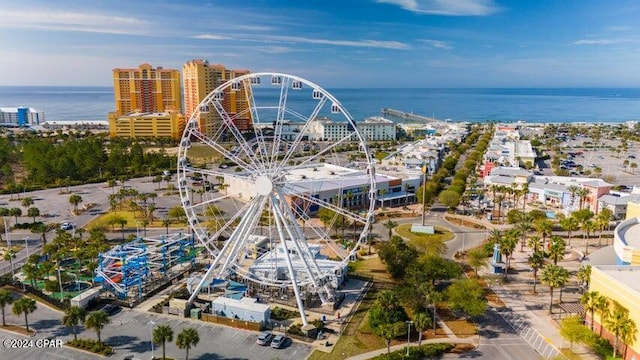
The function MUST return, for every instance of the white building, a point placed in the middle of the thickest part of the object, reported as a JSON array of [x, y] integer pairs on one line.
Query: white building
[[373, 128], [20, 116], [273, 265]]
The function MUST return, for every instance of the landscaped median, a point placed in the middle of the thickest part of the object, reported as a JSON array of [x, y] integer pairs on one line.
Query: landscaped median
[[425, 242], [91, 345]]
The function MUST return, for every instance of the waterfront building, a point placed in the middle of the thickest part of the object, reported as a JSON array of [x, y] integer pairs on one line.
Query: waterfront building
[[147, 125], [506, 149], [374, 128], [619, 284], [146, 89], [20, 116], [199, 79]]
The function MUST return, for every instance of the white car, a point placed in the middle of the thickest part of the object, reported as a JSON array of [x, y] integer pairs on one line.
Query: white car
[[67, 226]]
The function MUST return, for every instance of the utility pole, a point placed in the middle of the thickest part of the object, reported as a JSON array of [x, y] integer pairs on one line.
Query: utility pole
[[424, 191]]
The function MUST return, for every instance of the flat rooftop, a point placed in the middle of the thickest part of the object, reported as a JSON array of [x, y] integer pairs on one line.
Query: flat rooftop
[[625, 274]]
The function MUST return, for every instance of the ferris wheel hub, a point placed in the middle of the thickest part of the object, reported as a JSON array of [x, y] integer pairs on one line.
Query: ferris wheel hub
[[263, 185]]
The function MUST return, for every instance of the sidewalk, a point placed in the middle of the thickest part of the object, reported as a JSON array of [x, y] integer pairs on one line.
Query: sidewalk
[[528, 313]]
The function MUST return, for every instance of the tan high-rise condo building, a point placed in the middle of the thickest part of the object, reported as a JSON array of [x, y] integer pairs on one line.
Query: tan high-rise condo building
[[200, 78], [146, 89]]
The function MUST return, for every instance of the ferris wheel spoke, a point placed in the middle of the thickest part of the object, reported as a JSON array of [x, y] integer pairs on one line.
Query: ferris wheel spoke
[[240, 236], [228, 121], [277, 131], [229, 223], [352, 216], [299, 137], [224, 152], [299, 241]]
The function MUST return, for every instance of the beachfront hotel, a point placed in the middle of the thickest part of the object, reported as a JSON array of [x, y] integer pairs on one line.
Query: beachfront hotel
[[20, 116], [146, 89], [199, 79]]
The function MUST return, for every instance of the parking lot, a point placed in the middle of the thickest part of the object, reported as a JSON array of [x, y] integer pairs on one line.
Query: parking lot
[[130, 333]]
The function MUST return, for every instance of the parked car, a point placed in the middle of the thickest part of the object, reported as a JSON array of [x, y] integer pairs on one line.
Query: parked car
[[264, 338], [67, 226], [278, 341]]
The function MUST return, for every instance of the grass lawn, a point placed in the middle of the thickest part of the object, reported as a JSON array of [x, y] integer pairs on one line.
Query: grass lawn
[[357, 337], [103, 221], [424, 242]]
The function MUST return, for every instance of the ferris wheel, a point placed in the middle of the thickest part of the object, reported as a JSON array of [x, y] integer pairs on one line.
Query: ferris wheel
[[277, 184]]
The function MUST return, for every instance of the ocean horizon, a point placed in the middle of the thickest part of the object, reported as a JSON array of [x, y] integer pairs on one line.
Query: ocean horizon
[[535, 105]]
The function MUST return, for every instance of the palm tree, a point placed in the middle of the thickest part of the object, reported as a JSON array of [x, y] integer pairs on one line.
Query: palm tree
[[33, 212], [187, 339], [621, 326], [75, 200], [97, 320], [422, 323], [25, 306], [573, 189], [584, 275], [390, 224], [590, 302], [524, 226], [544, 228], [388, 332], [495, 235], [6, 298], [162, 334], [588, 226], [535, 243], [569, 224], [582, 194], [9, 256], [507, 245], [383, 192], [603, 223], [72, 317], [556, 248], [31, 272], [602, 306], [536, 261], [554, 276]]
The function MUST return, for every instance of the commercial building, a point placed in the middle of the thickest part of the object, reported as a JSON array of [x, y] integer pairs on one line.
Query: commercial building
[[146, 89], [147, 125], [374, 128], [506, 149], [20, 116], [199, 79], [331, 183], [621, 287]]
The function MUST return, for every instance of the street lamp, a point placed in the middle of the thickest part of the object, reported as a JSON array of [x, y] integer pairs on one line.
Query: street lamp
[[409, 322], [26, 245], [152, 323], [60, 282]]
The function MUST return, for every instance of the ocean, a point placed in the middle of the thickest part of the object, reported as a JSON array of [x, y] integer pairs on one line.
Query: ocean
[[607, 105]]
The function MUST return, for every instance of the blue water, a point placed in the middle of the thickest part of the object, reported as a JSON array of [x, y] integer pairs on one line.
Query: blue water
[[529, 104]]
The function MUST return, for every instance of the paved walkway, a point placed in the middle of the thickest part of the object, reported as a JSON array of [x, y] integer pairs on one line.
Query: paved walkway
[[528, 313]]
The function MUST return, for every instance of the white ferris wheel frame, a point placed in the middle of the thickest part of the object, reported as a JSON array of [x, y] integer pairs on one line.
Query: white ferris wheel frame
[[265, 171]]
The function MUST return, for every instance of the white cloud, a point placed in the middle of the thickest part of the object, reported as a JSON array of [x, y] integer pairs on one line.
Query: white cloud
[[447, 7], [73, 21], [352, 43], [437, 44], [211, 37], [604, 41]]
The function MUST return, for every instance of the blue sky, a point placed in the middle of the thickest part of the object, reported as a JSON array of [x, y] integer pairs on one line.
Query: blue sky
[[347, 43]]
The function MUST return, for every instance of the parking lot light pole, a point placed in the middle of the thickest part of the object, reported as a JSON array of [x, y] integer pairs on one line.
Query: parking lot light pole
[[152, 323], [60, 282], [26, 245], [409, 322]]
